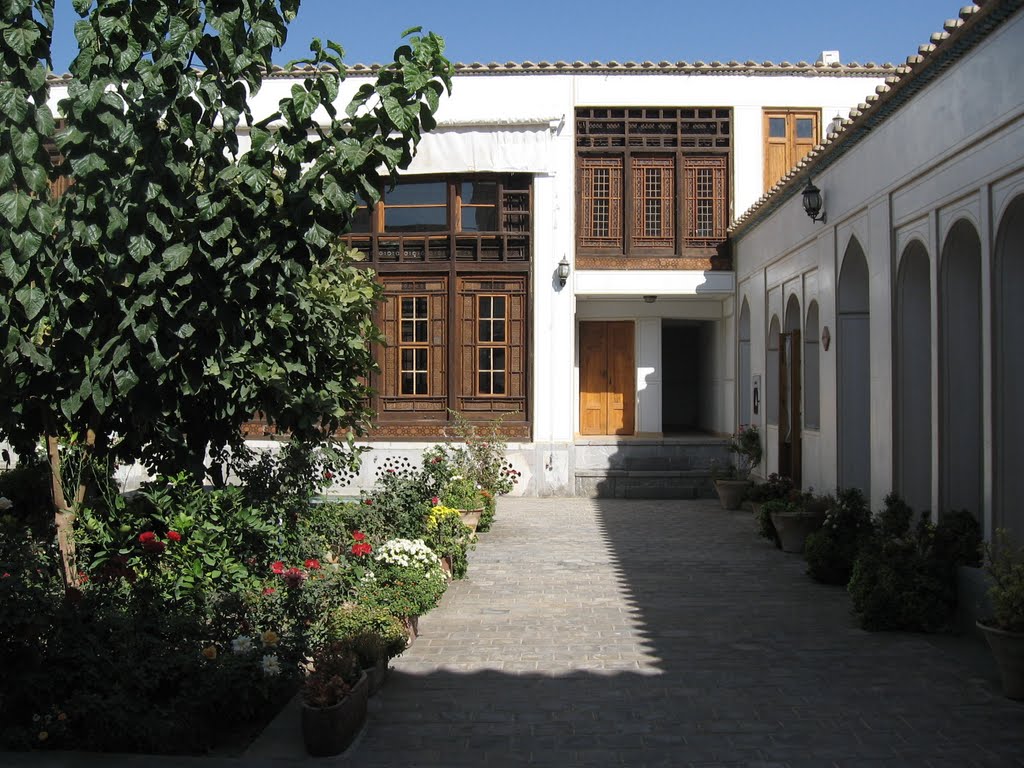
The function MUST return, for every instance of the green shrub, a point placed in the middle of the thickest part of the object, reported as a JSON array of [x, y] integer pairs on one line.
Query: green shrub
[[1005, 565], [462, 493], [904, 578], [449, 537], [765, 527], [775, 487], [400, 505], [373, 631], [831, 551], [490, 510]]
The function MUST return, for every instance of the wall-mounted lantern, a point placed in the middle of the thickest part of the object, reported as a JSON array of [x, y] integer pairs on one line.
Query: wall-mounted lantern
[[812, 202], [563, 271]]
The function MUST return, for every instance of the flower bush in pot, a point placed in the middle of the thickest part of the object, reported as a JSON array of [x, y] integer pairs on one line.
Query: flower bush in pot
[[462, 494], [334, 696], [450, 539], [746, 445], [407, 581], [1004, 632], [796, 518]]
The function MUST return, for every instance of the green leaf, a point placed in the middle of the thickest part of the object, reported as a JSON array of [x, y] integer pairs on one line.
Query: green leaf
[[25, 145], [139, 246], [177, 256], [31, 299], [13, 102], [22, 39], [6, 170], [14, 205], [396, 114], [305, 103], [27, 242]]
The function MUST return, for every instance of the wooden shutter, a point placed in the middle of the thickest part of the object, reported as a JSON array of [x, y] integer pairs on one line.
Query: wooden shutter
[[705, 202], [788, 136], [514, 290], [653, 202], [600, 202], [435, 402]]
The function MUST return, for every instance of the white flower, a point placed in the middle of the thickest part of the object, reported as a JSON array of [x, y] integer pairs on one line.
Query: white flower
[[241, 644], [271, 666], [5, 504]]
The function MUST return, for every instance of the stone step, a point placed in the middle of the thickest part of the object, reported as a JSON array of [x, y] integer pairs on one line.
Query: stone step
[[643, 484]]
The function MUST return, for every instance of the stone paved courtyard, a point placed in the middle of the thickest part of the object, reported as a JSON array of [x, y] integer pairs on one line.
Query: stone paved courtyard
[[657, 633]]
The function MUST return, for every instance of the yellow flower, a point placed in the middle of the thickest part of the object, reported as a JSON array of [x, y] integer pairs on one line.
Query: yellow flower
[[269, 638], [43, 735], [210, 652]]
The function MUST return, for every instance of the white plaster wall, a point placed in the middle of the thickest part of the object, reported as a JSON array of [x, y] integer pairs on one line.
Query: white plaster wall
[[954, 143]]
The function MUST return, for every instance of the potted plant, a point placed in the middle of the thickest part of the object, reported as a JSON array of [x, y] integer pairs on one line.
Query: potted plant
[[775, 487], [1004, 632], [462, 493], [334, 696], [746, 445], [450, 538], [797, 518], [375, 635]]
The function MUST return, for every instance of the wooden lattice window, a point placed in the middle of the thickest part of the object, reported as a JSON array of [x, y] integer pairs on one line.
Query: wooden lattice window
[[654, 201], [601, 201], [705, 200], [492, 341], [414, 352]]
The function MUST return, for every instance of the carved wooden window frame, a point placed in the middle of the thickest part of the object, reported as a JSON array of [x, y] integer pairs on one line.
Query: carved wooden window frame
[[492, 343], [415, 349]]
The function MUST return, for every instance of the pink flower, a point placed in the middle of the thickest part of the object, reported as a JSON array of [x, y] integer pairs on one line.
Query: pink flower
[[269, 591], [174, 536], [434, 501]]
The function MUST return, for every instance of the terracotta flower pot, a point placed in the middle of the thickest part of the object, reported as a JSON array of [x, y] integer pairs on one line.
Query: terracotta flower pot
[[793, 528], [1008, 650], [330, 730], [471, 517]]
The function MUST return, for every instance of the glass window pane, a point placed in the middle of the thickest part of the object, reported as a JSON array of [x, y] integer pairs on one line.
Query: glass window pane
[[421, 306], [418, 193], [777, 127], [361, 220], [484, 383], [499, 306], [421, 331], [498, 384], [407, 308], [481, 219], [498, 330], [421, 359], [484, 330], [433, 219], [408, 384], [498, 359], [804, 128], [484, 305], [485, 360], [421, 383], [407, 331], [479, 192], [408, 360]]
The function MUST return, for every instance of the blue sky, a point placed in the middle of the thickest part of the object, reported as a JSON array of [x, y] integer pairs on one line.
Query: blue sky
[[550, 30]]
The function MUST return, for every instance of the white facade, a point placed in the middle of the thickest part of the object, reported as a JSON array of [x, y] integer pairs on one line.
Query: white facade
[[917, 275]]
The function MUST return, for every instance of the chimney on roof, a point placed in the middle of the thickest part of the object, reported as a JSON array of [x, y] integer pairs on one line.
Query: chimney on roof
[[829, 57]]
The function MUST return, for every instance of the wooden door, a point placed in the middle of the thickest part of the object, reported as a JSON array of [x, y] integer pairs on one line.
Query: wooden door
[[790, 459], [607, 378]]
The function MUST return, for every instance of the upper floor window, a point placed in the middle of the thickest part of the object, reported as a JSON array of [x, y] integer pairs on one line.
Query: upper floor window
[[468, 218], [652, 181], [789, 134]]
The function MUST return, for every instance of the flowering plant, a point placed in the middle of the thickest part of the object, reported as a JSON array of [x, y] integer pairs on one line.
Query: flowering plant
[[449, 537], [746, 444], [408, 553], [334, 673], [462, 493]]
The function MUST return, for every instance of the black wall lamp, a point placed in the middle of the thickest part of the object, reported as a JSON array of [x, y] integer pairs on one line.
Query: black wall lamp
[[812, 202], [563, 271]]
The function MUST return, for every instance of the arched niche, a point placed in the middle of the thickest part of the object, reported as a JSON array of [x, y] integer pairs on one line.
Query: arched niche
[[960, 361], [853, 364], [744, 371], [771, 374], [913, 369], [790, 381], [812, 369], [1008, 357]]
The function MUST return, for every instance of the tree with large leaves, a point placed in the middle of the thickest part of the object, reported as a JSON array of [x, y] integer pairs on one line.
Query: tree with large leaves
[[191, 274]]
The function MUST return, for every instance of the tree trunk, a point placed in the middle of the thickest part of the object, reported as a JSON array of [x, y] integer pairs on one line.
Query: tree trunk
[[64, 516]]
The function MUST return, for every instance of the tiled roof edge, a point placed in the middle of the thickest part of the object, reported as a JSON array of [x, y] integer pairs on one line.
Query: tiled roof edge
[[958, 36], [851, 69]]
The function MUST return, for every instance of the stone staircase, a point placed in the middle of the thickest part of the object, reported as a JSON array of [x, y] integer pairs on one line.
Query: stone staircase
[[648, 468]]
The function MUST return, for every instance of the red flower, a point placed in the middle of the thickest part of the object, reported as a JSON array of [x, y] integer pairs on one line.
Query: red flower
[[146, 536], [313, 564], [362, 549], [277, 567], [358, 535], [83, 578], [6, 575], [269, 591], [367, 502], [328, 475], [174, 536], [434, 501]]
